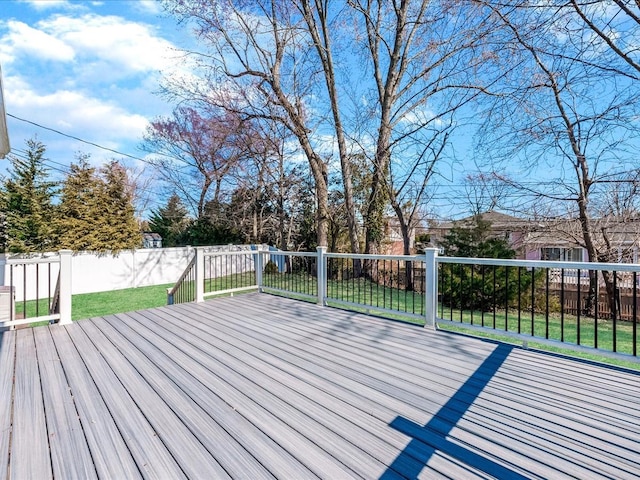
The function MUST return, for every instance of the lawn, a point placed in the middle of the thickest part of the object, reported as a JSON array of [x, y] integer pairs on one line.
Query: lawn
[[89, 305]]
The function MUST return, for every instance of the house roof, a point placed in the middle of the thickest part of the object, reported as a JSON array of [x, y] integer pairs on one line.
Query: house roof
[[568, 232], [496, 219]]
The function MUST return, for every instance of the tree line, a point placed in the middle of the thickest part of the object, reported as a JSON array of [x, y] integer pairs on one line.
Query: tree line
[[368, 98], [91, 209], [312, 122]]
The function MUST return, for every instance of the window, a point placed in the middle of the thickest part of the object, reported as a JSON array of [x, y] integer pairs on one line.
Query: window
[[559, 254]]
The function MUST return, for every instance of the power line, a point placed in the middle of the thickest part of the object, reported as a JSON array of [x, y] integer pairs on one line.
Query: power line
[[102, 147]]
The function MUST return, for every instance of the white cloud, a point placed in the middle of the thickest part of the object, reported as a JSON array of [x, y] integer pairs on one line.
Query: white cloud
[[148, 6], [48, 4], [73, 112], [129, 46], [22, 39], [86, 75], [109, 46]]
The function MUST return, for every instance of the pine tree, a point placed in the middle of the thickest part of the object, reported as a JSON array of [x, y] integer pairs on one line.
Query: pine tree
[[80, 218], [478, 286], [170, 221], [120, 230], [27, 197], [96, 210]]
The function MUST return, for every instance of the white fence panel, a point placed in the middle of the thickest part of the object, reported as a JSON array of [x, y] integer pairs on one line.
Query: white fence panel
[[92, 272]]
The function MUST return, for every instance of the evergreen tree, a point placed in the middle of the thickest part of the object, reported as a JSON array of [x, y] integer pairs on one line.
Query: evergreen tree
[[80, 218], [27, 198], [3, 222], [483, 287], [96, 210], [204, 232], [170, 221], [120, 227], [475, 240]]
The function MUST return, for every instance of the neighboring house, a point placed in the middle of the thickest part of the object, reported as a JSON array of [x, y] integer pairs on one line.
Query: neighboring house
[[554, 240], [393, 243], [151, 240], [515, 230], [562, 240]]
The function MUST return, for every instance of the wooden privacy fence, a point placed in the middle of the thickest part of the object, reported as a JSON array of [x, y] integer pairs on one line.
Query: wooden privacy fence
[[625, 300]]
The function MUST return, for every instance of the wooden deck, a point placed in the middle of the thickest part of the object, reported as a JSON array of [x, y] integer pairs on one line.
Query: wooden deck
[[257, 386]]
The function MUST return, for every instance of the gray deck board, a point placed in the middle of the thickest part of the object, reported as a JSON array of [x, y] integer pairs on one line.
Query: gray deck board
[[70, 456], [30, 456], [266, 451], [7, 357], [506, 395], [268, 362], [189, 454], [266, 385], [233, 458], [104, 440], [392, 387], [249, 401], [152, 457], [258, 386], [566, 455]]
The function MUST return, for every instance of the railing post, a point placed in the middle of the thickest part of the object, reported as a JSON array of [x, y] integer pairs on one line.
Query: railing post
[[7, 300], [3, 263], [430, 287], [321, 264], [65, 287], [199, 274], [259, 267]]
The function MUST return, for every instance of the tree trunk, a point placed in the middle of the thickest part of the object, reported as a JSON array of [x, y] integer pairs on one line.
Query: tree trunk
[[374, 220], [322, 42]]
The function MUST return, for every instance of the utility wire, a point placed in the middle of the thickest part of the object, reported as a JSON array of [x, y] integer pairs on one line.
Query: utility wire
[[148, 162], [80, 139]]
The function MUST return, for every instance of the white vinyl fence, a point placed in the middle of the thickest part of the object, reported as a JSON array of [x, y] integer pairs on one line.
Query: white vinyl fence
[[92, 272]]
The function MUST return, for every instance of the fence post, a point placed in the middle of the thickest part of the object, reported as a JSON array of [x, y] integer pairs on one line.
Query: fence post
[[259, 267], [430, 287], [321, 261], [199, 274], [65, 287]]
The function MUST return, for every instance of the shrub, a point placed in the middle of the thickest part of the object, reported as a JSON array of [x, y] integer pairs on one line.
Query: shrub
[[270, 267]]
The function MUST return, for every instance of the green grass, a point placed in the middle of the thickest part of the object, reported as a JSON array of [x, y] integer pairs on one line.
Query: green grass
[[237, 280], [89, 305], [565, 330], [33, 308]]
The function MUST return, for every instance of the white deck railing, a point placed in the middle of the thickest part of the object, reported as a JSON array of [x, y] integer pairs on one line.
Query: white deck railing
[[35, 289], [535, 301]]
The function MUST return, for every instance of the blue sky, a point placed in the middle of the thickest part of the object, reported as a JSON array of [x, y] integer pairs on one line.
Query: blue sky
[[89, 69]]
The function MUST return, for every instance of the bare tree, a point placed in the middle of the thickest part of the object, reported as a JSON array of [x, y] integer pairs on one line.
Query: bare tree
[[316, 15], [258, 65], [484, 192], [196, 152], [571, 135], [616, 25], [407, 189], [417, 51]]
